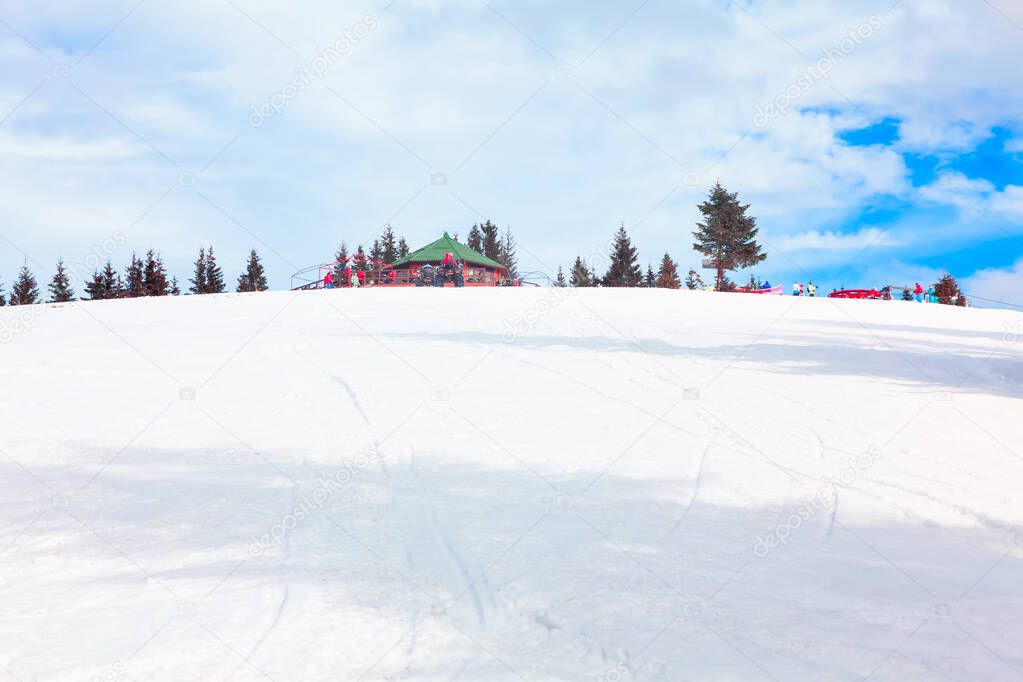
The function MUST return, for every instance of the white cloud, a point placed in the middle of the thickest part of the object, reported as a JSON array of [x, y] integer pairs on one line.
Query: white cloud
[[835, 241], [1003, 285]]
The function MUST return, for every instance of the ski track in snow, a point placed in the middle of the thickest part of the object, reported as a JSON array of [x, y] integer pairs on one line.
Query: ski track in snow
[[568, 604]]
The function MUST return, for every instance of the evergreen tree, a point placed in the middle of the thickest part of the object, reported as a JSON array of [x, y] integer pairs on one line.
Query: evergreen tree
[[491, 241], [580, 276], [360, 260], [199, 285], [948, 293], [376, 252], [403, 249], [25, 290], [560, 279], [727, 235], [154, 276], [506, 254], [475, 240], [254, 277], [649, 279], [60, 285], [667, 278], [624, 270], [135, 278], [214, 275], [175, 290], [389, 244], [105, 284], [3, 299], [342, 253], [907, 294], [694, 281]]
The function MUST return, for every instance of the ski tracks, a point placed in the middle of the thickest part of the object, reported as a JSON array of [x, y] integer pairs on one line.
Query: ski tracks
[[705, 447]]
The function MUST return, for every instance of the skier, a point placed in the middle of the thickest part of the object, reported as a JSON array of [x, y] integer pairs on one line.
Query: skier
[[328, 280], [811, 289], [797, 289], [932, 296]]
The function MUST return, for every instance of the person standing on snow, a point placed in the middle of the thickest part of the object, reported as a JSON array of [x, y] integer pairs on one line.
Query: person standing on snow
[[797, 289], [932, 296], [328, 280], [918, 293], [811, 289]]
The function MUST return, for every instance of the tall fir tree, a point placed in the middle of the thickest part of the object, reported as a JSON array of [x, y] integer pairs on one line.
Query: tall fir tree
[[135, 278], [403, 249], [491, 241], [175, 289], [580, 276], [948, 293], [254, 277], [624, 270], [559, 281], [214, 275], [389, 245], [727, 235], [667, 277], [198, 281], [360, 260], [376, 253], [342, 253], [60, 285], [25, 290], [694, 281], [506, 254], [154, 276], [475, 239]]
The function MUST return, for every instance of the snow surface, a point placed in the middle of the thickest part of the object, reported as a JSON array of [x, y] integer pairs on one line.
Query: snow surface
[[492, 484]]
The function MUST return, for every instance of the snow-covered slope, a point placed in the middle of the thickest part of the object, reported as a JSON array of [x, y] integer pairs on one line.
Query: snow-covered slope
[[510, 484]]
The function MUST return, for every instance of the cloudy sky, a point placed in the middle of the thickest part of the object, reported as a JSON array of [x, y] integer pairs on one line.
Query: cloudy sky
[[878, 142]]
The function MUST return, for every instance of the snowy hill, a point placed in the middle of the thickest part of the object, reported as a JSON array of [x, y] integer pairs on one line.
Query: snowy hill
[[510, 484]]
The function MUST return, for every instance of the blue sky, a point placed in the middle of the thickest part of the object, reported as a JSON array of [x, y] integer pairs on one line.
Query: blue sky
[[879, 143]]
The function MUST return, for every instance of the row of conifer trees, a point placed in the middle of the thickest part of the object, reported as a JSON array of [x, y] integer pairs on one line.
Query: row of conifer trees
[[143, 277]]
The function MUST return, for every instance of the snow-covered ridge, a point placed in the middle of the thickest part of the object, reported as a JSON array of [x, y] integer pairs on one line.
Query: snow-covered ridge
[[510, 484]]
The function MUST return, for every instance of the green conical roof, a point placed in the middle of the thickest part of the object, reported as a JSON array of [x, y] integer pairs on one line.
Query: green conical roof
[[435, 253]]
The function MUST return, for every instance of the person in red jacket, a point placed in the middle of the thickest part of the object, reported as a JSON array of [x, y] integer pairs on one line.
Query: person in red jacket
[[328, 280], [449, 260], [918, 291]]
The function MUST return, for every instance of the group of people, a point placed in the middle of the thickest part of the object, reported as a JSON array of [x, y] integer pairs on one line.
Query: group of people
[[346, 277], [799, 290], [921, 296]]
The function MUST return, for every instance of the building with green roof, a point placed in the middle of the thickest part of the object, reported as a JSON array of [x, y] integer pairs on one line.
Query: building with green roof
[[477, 269]]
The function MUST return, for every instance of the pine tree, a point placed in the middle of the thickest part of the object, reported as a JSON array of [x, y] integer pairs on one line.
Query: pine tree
[[60, 285], [105, 284], [154, 275], [506, 254], [907, 294], [389, 245], [342, 253], [649, 279], [25, 290], [199, 284], [254, 277], [215, 283], [559, 281], [376, 252], [624, 270], [580, 276], [475, 239], [727, 235], [694, 281], [667, 278], [403, 249], [3, 299], [135, 278], [360, 260], [174, 290], [491, 241], [948, 293]]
